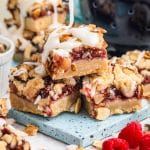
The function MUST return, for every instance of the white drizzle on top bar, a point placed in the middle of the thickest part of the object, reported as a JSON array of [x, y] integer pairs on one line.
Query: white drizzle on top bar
[[85, 35], [80, 36], [140, 56]]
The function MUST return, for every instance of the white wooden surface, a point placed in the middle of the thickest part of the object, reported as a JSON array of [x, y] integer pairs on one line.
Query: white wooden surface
[[43, 142]]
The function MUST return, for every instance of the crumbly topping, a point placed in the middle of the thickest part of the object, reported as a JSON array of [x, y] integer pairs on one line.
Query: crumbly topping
[[31, 88], [138, 58], [126, 80], [35, 88], [119, 80], [63, 40]]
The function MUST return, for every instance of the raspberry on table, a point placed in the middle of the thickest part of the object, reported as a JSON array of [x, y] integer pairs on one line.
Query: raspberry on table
[[145, 142], [115, 144], [132, 133]]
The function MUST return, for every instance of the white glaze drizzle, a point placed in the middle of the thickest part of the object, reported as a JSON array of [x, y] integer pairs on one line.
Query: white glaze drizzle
[[141, 55], [85, 35], [18, 73], [71, 10], [39, 69]]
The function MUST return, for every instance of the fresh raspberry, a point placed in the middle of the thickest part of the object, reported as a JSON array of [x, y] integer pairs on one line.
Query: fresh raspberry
[[145, 142], [132, 133], [115, 144]]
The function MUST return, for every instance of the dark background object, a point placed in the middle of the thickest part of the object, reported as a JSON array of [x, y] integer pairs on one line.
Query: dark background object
[[127, 22]]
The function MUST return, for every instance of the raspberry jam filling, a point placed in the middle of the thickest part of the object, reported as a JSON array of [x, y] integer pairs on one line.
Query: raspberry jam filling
[[146, 80], [80, 53], [48, 90], [88, 53], [67, 90], [112, 93]]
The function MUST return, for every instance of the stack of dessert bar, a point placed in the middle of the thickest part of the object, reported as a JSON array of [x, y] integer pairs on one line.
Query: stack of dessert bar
[[10, 138], [74, 62], [52, 84], [30, 18]]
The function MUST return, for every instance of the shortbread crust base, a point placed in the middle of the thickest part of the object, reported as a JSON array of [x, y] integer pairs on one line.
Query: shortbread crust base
[[146, 91], [42, 23], [81, 68], [58, 106], [113, 108]]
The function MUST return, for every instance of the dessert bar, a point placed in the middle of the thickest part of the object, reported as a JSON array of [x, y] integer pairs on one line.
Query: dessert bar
[[75, 51], [37, 15], [36, 93], [28, 22], [141, 59], [116, 91]]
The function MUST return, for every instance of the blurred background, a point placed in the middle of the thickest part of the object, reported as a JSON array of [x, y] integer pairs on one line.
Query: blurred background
[[127, 21]]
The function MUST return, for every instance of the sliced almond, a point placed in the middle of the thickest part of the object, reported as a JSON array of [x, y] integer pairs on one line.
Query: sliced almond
[[28, 34], [98, 98], [13, 142], [147, 55], [12, 4], [97, 144], [38, 39], [78, 106], [36, 13], [7, 138], [73, 67], [31, 130], [65, 37], [3, 145], [128, 71], [16, 15], [27, 52], [26, 146]]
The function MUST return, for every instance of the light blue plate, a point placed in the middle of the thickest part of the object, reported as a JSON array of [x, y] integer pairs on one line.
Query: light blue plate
[[80, 129]]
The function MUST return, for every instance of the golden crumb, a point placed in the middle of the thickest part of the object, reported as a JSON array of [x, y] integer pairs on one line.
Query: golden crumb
[[31, 130]]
